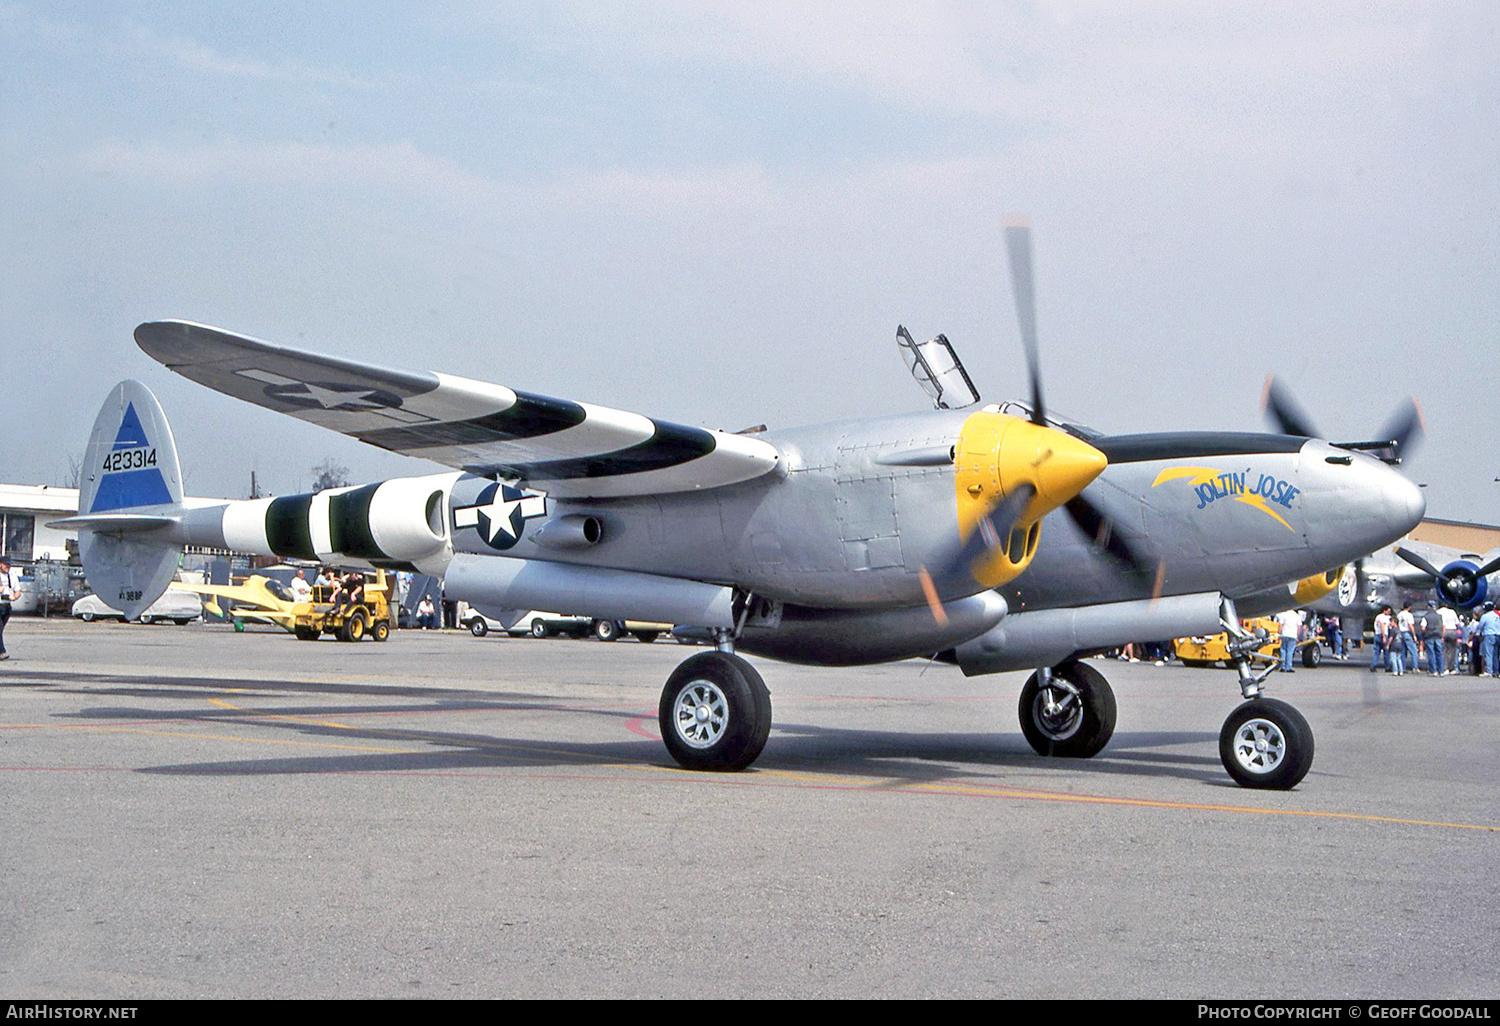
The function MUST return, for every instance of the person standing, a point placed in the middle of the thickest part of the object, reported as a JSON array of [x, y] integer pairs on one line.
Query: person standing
[[1449, 617], [1290, 623], [10, 591], [1378, 642], [1432, 639], [1489, 633], [1406, 637]]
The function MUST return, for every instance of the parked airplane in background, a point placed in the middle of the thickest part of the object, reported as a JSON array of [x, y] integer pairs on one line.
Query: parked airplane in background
[[840, 544], [1413, 572]]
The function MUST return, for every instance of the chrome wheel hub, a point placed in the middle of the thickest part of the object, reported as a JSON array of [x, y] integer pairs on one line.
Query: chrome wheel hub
[[700, 714], [1259, 746]]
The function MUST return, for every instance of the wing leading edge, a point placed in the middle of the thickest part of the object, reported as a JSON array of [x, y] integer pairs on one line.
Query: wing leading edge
[[570, 449]]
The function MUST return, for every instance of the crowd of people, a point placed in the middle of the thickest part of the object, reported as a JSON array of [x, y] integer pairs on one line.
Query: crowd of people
[[1439, 639]]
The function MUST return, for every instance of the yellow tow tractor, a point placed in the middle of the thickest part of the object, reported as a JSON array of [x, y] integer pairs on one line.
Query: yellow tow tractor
[[269, 601], [369, 618], [1213, 650]]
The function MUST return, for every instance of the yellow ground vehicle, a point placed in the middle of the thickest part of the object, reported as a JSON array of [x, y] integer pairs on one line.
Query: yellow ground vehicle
[[260, 598], [369, 618], [1214, 649]]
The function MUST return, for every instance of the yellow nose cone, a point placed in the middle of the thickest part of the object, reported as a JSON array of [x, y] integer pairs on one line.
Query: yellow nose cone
[[996, 454], [1063, 465]]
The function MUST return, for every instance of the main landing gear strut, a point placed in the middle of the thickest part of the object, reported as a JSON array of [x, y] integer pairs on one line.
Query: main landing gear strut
[[715, 711], [1069, 711]]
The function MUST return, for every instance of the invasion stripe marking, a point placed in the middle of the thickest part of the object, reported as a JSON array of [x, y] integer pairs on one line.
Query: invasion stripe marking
[[669, 445], [288, 530], [530, 417], [349, 524]]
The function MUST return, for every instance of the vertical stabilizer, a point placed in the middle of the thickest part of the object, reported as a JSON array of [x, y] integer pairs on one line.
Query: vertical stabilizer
[[130, 466]]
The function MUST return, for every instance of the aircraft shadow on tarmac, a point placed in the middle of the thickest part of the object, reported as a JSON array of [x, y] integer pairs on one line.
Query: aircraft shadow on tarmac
[[907, 757]]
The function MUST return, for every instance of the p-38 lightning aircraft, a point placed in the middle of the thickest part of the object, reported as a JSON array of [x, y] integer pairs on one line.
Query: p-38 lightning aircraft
[[842, 544]]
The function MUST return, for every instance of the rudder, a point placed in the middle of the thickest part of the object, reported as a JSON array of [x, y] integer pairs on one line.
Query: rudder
[[130, 468]]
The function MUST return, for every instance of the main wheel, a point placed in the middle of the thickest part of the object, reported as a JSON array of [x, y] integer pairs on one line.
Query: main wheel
[[148, 620], [606, 630], [645, 637], [715, 712], [381, 630], [478, 627], [306, 633], [539, 629], [1266, 743], [86, 617], [1058, 722], [1312, 655]]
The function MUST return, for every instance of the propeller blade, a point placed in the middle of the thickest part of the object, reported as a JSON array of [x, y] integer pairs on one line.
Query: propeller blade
[[1418, 562], [990, 534], [1018, 244], [1405, 429], [1093, 522], [1284, 411], [1488, 568]]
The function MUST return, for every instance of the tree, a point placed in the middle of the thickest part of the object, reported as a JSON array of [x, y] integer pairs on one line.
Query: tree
[[329, 474]]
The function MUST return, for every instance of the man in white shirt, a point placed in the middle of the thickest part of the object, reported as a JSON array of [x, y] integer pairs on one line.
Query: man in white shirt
[[1383, 623], [300, 588], [1450, 640], [1290, 623]]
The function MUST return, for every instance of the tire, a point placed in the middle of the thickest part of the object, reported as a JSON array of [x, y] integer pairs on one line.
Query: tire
[[1076, 728], [148, 620], [1312, 655], [355, 628], [1199, 664], [715, 713], [478, 627], [606, 630], [306, 633], [646, 637], [381, 630], [1266, 744], [539, 629], [86, 617], [182, 623]]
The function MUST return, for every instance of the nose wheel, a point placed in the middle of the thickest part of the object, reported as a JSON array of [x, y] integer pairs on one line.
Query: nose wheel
[[1265, 743]]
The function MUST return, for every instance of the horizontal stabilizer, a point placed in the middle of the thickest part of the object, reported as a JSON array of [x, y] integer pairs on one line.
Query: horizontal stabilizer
[[116, 523]]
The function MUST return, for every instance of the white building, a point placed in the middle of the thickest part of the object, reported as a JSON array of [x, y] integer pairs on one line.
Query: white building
[[25, 511]]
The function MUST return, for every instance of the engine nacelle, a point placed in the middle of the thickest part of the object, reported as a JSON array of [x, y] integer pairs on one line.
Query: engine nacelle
[[397, 521], [1046, 637], [1310, 589], [853, 637], [1461, 585]]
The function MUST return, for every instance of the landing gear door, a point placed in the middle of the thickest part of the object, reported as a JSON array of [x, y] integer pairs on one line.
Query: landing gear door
[[938, 370]]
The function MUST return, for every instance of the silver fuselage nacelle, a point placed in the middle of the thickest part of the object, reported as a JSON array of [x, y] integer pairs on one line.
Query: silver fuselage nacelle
[[845, 525]]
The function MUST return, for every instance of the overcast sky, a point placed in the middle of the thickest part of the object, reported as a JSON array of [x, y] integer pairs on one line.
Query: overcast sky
[[717, 213]]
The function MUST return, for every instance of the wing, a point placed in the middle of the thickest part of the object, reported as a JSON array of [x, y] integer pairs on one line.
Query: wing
[[570, 449]]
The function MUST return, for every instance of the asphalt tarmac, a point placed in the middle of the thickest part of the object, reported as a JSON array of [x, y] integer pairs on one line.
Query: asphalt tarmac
[[191, 812]]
